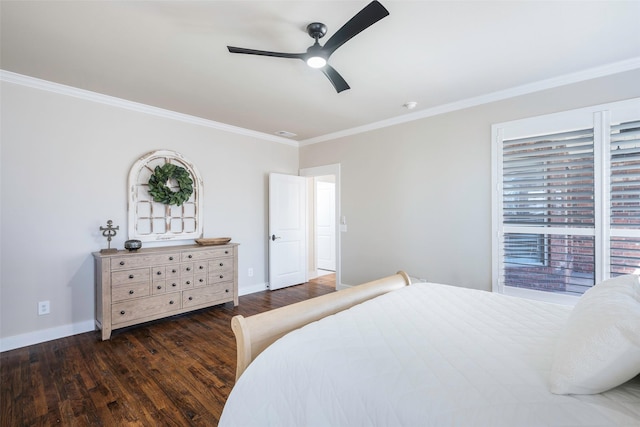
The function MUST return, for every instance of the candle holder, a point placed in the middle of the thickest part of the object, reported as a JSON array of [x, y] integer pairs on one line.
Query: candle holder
[[109, 232]]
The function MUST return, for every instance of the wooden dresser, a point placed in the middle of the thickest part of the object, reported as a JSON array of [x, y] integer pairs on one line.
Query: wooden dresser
[[149, 284]]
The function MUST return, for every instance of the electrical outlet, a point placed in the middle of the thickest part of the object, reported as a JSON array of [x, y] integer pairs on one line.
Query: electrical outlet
[[43, 308], [250, 272]]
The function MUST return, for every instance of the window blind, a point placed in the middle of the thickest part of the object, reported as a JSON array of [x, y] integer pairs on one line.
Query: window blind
[[625, 197], [548, 181]]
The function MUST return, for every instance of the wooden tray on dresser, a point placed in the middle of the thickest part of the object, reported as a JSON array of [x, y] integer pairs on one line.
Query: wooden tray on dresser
[[213, 241]]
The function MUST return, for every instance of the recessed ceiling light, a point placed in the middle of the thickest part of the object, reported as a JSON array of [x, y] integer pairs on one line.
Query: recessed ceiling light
[[285, 134], [410, 105]]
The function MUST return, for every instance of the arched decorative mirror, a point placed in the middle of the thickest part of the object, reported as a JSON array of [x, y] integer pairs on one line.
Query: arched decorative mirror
[[165, 198]]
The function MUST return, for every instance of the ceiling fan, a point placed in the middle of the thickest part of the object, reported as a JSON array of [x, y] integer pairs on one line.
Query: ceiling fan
[[317, 56]]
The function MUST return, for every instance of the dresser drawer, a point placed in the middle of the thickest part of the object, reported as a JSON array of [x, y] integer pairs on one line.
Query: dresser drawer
[[126, 262], [173, 285], [218, 293], [129, 276], [200, 267], [206, 254], [186, 282], [158, 288], [137, 309], [199, 280], [172, 271], [133, 290], [220, 270], [158, 273]]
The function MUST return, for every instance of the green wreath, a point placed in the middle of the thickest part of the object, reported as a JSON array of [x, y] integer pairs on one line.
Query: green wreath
[[159, 190]]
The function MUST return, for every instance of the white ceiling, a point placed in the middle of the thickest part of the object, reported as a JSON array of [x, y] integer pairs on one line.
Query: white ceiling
[[173, 55]]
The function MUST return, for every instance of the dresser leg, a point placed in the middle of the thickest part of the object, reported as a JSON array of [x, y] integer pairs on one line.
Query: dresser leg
[[106, 334]]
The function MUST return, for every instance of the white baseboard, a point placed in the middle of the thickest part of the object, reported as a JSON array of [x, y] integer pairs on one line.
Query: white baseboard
[[246, 290], [37, 337]]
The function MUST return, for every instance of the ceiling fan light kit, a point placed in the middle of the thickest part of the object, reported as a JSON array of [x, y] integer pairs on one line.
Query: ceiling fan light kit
[[316, 55]]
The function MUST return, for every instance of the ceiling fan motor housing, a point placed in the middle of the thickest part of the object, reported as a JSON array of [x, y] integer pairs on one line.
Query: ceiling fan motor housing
[[316, 30]]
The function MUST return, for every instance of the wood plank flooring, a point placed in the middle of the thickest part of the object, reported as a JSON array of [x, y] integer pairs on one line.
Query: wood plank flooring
[[171, 372]]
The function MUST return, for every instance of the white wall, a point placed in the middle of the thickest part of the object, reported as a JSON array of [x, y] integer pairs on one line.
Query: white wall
[[417, 196], [64, 168]]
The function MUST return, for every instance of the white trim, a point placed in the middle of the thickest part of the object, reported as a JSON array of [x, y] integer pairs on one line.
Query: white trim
[[258, 287], [32, 82], [602, 189], [341, 286], [43, 335], [591, 73], [578, 116]]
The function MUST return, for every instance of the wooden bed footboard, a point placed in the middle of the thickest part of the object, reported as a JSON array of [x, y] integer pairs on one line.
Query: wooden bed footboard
[[255, 333]]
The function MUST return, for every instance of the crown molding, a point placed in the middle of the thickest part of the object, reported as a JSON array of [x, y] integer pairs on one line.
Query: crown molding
[[44, 85], [567, 79]]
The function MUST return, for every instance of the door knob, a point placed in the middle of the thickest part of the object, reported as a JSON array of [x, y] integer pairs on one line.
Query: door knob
[[274, 237]]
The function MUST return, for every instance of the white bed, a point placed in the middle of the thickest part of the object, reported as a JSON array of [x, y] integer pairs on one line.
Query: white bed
[[423, 355]]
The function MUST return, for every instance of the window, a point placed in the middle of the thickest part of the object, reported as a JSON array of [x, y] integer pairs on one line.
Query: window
[[566, 201]]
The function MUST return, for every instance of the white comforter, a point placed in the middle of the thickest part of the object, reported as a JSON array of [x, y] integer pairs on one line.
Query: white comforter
[[425, 355]]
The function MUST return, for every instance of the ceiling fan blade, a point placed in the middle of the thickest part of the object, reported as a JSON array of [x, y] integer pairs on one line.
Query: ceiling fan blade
[[368, 16], [233, 49], [335, 78]]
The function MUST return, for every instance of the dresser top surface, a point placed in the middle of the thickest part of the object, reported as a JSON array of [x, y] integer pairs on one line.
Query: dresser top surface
[[161, 249]]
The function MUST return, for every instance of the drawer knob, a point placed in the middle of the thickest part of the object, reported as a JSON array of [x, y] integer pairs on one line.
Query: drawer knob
[[121, 262], [173, 271], [174, 285], [171, 302], [170, 258], [190, 298], [188, 282], [159, 287], [201, 280], [131, 276], [201, 267], [226, 252], [131, 292], [226, 290], [190, 256], [221, 276], [122, 312], [159, 273], [188, 268], [221, 264]]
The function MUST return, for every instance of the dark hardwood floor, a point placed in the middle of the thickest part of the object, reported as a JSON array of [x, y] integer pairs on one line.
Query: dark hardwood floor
[[172, 372]]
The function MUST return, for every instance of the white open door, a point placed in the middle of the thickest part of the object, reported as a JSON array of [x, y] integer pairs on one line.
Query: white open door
[[326, 225], [287, 230]]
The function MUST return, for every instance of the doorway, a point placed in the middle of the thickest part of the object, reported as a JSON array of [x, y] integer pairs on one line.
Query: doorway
[[324, 223], [324, 213]]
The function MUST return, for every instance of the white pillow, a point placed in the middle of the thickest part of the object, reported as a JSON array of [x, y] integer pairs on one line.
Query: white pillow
[[600, 346]]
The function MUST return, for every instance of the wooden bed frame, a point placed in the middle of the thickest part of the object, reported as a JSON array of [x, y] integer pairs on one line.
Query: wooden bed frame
[[256, 333]]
